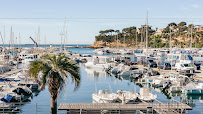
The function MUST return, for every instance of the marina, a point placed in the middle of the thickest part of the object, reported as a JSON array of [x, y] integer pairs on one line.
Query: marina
[[101, 57], [127, 85]]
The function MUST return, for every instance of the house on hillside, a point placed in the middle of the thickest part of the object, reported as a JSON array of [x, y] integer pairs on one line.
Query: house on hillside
[[139, 30], [158, 32], [199, 28]]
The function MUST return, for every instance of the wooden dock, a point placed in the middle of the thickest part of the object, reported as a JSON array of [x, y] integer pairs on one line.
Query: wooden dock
[[161, 108]]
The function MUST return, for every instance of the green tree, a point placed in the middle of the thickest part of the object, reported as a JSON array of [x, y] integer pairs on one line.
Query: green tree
[[55, 70], [172, 24], [181, 24]]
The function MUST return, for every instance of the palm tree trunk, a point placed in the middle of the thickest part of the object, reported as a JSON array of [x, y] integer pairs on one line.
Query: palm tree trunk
[[53, 89], [53, 109]]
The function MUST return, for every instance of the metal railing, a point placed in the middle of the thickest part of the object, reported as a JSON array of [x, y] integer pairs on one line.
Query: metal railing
[[155, 107]]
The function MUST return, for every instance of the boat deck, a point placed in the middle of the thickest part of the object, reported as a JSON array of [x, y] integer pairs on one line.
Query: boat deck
[[11, 72]]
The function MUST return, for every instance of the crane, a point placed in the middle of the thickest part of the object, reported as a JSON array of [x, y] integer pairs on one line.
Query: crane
[[34, 42]]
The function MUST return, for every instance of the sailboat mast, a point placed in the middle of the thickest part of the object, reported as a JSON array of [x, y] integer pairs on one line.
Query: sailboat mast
[[4, 36], [61, 40], [13, 41], [191, 37], [124, 39], [39, 35], [141, 36], [136, 38], [170, 39], [64, 32], [147, 34], [11, 36], [45, 41], [117, 40], [19, 42], [171, 47]]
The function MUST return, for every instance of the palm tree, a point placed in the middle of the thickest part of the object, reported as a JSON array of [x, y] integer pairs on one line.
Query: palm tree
[[55, 70]]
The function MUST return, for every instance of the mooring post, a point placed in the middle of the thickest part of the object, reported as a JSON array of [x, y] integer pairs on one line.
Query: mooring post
[[3, 107], [36, 108], [168, 107], [80, 111]]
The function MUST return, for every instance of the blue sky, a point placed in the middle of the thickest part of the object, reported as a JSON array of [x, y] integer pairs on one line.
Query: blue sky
[[85, 18]]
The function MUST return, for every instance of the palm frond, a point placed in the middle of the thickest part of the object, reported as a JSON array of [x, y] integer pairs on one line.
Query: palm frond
[[57, 69]]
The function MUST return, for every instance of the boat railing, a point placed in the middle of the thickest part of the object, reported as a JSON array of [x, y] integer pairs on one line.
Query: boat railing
[[96, 90]]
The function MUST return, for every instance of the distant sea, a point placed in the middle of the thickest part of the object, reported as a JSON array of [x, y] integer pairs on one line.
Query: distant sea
[[46, 45]]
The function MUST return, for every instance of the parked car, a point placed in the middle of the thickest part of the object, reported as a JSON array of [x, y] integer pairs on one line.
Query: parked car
[[164, 65], [185, 67], [149, 62]]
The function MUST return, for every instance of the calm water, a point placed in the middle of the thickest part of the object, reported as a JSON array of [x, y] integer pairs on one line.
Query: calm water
[[87, 87]]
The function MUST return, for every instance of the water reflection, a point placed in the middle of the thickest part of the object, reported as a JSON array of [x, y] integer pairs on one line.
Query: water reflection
[[96, 73]]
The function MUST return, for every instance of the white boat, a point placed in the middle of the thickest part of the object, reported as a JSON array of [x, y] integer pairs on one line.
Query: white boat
[[102, 62], [193, 88], [145, 95], [86, 57], [92, 73], [127, 70], [4, 68], [126, 96], [30, 58], [162, 80], [17, 93], [104, 96], [17, 77], [139, 52], [23, 54], [115, 69], [99, 51], [179, 58]]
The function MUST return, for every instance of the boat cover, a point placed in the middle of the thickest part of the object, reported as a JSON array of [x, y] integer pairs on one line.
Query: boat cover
[[7, 98]]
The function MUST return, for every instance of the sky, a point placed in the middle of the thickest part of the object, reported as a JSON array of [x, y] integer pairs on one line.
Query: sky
[[85, 18]]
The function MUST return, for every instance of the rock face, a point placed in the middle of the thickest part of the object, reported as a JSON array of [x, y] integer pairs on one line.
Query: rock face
[[118, 43], [98, 44]]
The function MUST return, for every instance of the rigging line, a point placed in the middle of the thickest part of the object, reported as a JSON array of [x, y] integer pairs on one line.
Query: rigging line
[[55, 18]]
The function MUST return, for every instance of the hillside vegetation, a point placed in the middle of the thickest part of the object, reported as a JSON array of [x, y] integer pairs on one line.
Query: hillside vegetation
[[180, 33]]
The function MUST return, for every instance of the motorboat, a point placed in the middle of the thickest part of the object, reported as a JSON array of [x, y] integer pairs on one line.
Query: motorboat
[[193, 88], [127, 70], [99, 51], [30, 58], [104, 96], [101, 62]]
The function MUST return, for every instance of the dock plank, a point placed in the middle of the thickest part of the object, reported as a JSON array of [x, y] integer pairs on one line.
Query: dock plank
[[119, 106]]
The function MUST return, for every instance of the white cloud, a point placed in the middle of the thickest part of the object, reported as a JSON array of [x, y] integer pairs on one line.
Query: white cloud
[[195, 6], [192, 6]]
